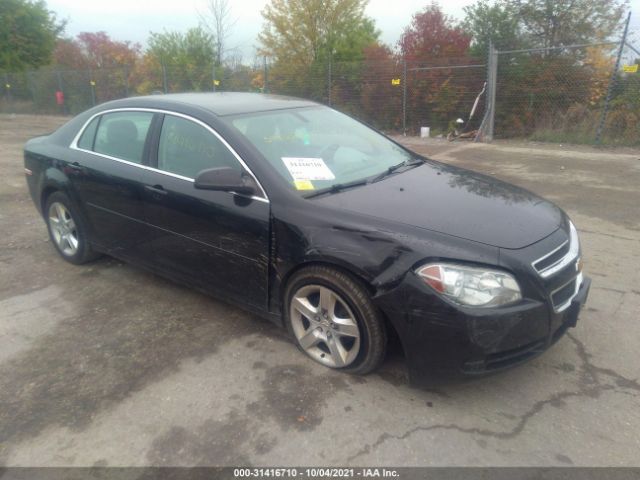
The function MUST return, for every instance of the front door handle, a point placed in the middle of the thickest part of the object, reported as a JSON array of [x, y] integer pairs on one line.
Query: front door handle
[[156, 189]]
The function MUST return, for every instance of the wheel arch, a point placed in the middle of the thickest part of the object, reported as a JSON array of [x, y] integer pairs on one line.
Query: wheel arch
[[53, 180], [341, 267], [323, 263], [44, 196]]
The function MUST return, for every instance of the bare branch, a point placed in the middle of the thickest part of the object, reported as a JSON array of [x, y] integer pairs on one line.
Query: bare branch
[[219, 21]]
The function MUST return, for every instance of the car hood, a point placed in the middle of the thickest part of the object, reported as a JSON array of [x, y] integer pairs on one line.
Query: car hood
[[456, 202]]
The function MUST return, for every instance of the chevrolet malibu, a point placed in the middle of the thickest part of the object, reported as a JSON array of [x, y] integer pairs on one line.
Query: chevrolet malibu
[[307, 217]]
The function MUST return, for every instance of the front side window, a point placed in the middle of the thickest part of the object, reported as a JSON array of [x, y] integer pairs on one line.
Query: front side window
[[315, 148], [187, 148], [123, 134]]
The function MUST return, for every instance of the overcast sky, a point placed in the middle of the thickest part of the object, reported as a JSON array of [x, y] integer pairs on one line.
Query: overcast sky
[[133, 20]]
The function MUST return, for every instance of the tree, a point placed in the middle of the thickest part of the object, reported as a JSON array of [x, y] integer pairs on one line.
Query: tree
[[68, 53], [437, 95], [554, 23], [188, 58], [95, 50], [217, 20], [380, 99], [351, 46], [195, 47], [305, 38], [95, 68], [491, 22], [28, 33], [302, 32], [432, 34]]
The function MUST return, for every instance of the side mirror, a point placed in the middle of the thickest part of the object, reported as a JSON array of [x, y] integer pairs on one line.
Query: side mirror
[[225, 179]]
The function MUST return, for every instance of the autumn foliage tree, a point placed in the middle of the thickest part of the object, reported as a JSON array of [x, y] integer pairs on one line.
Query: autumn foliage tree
[[436, 94], [380, 95], [95, 50], [433, 34], [301, 37], [93, 67]]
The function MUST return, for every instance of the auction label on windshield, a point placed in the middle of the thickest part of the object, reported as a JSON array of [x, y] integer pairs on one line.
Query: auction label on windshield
[[308, 168]]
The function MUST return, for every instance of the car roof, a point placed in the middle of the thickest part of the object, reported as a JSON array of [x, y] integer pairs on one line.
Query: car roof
[[224, 103]]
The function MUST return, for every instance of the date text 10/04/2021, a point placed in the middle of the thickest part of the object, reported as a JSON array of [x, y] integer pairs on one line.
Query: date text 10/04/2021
[[315, 473]]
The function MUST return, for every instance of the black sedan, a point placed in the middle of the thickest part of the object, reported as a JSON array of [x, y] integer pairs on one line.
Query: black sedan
[[305, 216]]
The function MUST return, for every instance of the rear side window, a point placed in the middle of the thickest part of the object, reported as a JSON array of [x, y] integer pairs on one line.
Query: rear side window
[[86, 140], [123, 134], [187, 148]]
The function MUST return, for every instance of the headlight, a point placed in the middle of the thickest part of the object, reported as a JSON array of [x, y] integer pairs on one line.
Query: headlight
[[470, 286]]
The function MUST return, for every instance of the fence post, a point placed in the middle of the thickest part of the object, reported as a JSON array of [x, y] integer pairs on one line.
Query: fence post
[[612, 82], [329, 79], [92, 86], [126, 81], [32, 88], [164, 77], [491, 96], [7, 87], [214, 76], [265, 87], [404, 97]]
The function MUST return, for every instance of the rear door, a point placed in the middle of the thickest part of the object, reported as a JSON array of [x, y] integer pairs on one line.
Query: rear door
[[218, 240], [108, 162]]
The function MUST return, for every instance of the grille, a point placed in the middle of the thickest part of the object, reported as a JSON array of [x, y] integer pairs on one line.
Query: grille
[[564, 294], [551, 258], [560, 257]]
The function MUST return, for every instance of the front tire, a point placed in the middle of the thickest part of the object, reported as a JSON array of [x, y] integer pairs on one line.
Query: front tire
[[333, 320], [67, 229]]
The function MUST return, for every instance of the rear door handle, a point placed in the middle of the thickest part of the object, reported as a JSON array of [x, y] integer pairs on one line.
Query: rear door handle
[[75, 166], [156, 189]]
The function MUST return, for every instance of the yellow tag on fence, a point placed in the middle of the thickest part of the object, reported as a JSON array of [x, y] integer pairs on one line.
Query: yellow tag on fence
[[630, 68], [92, 83], [395, 81], [216, 82], [303, 184]]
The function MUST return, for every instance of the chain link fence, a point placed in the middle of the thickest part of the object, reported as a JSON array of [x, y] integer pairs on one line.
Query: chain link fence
[[576, 94]]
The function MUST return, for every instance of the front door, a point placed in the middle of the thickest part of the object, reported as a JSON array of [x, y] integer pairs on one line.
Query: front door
[[218, 240]]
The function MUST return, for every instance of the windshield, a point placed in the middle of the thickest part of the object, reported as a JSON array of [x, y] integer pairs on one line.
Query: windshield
[[318, 148]]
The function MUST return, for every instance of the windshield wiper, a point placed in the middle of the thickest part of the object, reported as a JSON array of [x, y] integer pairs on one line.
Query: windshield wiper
[[338, 187], [407, 163]]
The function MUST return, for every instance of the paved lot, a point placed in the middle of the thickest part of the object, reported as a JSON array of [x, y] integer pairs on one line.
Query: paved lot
[[108, 365]]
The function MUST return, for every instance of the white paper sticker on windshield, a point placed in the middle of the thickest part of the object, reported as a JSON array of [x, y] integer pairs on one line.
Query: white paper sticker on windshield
[[308, 168]]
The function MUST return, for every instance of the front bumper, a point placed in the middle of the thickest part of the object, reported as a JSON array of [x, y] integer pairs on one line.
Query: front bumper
[[443, 341]]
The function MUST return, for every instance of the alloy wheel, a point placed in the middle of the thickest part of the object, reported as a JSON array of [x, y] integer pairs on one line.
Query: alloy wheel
[[325, 326], [63, 229]]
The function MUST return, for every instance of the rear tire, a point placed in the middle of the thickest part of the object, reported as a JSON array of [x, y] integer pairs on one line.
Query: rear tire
[[67, 229], [333, 320]]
